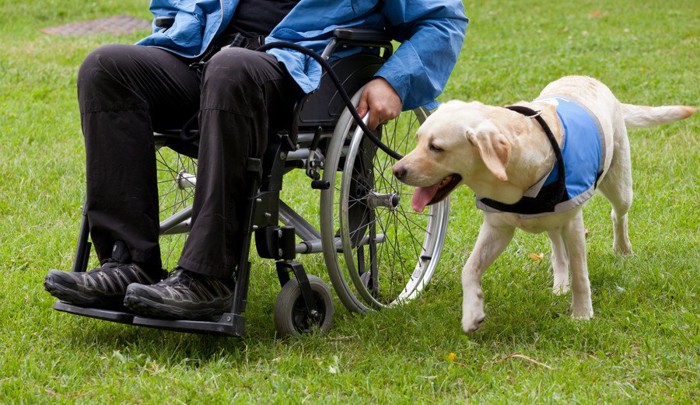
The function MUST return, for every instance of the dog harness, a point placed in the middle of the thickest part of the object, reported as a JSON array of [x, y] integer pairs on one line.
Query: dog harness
[[574, 177]]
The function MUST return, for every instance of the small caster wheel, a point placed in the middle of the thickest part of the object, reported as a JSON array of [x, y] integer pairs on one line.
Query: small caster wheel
[[291, 316]]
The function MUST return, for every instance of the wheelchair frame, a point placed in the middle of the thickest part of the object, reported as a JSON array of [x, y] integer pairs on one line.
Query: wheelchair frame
[[315, 115]]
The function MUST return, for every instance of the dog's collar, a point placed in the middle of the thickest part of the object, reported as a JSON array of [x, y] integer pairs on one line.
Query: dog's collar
[[537, 115]]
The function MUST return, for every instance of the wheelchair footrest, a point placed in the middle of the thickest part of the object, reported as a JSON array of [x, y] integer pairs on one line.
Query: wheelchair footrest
[[103, 314], [228, 325]]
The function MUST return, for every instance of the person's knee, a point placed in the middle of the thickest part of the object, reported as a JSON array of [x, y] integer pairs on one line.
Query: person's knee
[[231, 79], [109, 79], [103, 64], [231, 67]]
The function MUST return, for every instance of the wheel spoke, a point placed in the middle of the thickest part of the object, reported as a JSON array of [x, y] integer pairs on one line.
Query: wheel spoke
[[388, 252], [173, 196]]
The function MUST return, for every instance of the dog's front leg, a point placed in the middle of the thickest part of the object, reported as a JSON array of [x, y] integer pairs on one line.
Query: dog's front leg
[[575, 241], [489, 244]]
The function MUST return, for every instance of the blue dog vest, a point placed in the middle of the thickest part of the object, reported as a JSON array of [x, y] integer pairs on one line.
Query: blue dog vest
[[583, 155]]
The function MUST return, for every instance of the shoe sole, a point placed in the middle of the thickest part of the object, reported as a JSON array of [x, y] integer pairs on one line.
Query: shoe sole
[[144, 306]]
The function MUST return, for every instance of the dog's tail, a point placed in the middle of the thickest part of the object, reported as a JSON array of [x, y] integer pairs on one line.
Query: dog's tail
[[638, 116]]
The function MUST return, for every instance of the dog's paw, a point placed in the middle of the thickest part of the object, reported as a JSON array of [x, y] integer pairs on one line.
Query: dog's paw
[[472, 315], [560, 288], [582, 314], [622, 249], [472, 309], [471, 324], [561, 284]]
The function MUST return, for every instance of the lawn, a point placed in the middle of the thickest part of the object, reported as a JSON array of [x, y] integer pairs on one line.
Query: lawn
[[643, 346]]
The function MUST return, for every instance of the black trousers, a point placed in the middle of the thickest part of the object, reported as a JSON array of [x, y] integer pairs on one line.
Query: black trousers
[[127, 91]]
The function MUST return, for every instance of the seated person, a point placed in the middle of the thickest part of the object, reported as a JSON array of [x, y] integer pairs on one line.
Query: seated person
[[125, 91]]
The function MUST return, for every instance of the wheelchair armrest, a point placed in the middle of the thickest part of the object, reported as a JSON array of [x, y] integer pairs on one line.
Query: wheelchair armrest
[[359, 34], [358, 37]]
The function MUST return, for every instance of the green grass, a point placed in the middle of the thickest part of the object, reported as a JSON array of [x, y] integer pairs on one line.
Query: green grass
[[642, 346]]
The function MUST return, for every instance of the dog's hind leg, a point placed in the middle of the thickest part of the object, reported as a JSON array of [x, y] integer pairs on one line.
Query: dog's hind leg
[[489, 245], [616, 186], [574, 238], [560, 263]]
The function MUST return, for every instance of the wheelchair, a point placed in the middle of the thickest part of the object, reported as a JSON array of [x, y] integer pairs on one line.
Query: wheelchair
[[377, 251]]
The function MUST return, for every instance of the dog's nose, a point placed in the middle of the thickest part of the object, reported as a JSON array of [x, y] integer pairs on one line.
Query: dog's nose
[[399, 172]]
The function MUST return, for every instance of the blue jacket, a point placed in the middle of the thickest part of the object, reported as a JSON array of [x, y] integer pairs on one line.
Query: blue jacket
[[583, 153], [431, 33]]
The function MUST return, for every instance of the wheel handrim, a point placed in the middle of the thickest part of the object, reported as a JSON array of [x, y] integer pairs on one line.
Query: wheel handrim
[[352, 285], [394, 277]]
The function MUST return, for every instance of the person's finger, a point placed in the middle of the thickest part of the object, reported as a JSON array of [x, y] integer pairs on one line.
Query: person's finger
[[363, 106], [374, 120]]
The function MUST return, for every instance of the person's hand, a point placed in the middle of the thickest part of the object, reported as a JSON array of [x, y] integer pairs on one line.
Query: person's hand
[[382, 102]]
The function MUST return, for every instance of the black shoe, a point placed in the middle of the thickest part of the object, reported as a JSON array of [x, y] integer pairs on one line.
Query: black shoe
[[103, 287], [183, 295]]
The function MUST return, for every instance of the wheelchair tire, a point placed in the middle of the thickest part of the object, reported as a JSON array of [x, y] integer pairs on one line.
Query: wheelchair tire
[[291, 316], [377, 250], [176, 180]]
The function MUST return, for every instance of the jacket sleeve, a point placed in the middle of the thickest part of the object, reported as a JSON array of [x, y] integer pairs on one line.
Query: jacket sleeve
[[431, 33]]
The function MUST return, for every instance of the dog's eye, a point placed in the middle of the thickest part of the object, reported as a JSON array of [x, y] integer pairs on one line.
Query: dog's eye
[[434, 148]]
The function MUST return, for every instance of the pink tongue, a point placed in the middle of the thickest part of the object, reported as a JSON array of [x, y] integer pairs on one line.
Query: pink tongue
[[422, 196]]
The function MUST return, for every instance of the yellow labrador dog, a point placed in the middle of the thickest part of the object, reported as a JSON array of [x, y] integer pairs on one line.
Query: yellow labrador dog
[[533, 166]]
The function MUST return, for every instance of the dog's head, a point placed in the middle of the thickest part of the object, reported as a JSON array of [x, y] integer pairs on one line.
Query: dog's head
[[457, 144]]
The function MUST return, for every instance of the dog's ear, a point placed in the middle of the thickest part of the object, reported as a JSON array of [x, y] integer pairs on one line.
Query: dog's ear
[[494, 150]]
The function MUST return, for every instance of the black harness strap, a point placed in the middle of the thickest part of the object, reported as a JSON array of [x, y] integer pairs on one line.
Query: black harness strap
[[537, 115], [549, 195]]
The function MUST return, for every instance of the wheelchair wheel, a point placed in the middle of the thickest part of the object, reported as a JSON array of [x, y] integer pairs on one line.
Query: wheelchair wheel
[[176, 180], [291, 316], [377, 250]]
